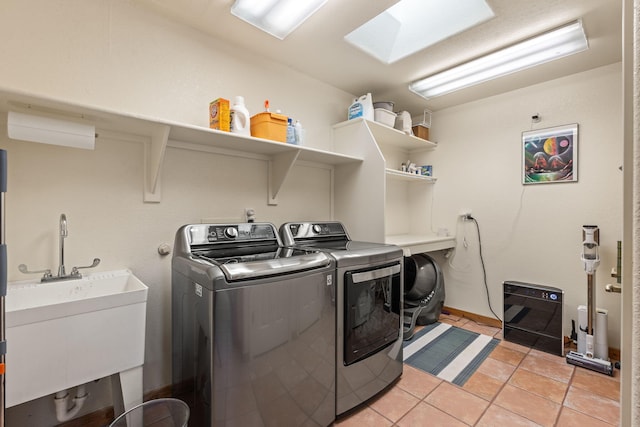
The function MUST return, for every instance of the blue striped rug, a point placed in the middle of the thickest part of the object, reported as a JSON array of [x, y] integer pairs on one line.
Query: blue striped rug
[[450, 353]]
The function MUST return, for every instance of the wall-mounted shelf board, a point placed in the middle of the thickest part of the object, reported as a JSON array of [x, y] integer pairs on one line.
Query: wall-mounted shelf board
[[415, 244], [249, 144], [399, 139], [410, 177], [157, 134]]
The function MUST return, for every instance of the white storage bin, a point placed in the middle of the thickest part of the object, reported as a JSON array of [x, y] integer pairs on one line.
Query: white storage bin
[[384, 116]]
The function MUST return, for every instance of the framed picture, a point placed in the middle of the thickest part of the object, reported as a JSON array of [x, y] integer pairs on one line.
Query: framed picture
[[550, 155]]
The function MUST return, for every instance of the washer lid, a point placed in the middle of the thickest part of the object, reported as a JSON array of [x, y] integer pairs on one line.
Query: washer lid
[[235, 271]]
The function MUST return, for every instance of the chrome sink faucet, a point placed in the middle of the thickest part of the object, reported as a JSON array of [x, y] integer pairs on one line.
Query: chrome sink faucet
[[62, 274], [63, 233]]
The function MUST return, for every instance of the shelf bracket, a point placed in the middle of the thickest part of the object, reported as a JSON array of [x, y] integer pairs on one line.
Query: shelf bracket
[[279, 167], [154, 150]]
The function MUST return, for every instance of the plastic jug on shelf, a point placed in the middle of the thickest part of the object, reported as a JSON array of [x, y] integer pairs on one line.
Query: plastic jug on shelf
[[362, 107], [240, 119]]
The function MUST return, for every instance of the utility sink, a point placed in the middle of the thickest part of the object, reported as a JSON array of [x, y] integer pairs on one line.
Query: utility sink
[[66, 333]]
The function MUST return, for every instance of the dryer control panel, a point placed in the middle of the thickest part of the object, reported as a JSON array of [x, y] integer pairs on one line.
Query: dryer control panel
[[302, 230]]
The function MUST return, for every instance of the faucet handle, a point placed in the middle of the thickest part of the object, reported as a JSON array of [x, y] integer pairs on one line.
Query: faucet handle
[[24, 269], [95, 263]]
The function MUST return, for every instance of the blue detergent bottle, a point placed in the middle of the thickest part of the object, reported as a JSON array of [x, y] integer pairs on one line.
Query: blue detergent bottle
[[361, 107]]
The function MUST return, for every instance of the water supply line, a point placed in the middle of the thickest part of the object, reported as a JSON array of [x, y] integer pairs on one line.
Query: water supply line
[[61, 400]]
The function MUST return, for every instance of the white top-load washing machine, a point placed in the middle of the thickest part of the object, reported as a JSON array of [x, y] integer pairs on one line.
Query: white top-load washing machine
[[369, 300]]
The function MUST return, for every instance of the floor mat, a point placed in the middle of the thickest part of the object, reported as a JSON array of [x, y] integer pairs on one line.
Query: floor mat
[[450, 353]]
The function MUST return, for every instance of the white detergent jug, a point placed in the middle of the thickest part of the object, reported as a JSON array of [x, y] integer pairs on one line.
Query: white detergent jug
[[362, 107], [240, 119]]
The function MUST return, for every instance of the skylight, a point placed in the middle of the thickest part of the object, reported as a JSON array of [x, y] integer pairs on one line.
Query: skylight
[[412, 25], [276, 17]]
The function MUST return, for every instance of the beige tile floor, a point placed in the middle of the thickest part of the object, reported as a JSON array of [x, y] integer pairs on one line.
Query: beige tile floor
[[514, 386]]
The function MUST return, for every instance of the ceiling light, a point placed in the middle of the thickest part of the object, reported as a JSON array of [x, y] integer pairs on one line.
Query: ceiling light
[[412, 25], [46, 130], [546, 47], [276, 17]]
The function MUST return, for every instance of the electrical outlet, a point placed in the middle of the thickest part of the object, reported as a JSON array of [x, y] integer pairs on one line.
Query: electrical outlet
[[465, 213]]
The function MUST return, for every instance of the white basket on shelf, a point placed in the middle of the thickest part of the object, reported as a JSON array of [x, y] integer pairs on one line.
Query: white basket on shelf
[[424, 121]]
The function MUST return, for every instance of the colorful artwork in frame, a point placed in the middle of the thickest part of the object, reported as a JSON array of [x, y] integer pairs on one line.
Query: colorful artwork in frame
[[550, 155]]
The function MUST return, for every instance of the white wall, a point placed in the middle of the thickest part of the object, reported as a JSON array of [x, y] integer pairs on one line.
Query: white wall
[[117, 56], [531, 233]]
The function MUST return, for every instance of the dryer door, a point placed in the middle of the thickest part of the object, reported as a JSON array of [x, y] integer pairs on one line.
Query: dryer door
[[370, 321]]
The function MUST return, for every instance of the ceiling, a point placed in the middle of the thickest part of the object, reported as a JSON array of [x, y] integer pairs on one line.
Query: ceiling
[[317, 47]]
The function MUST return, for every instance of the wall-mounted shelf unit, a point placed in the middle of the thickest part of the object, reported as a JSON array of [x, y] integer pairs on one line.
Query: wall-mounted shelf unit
[[156, 135], [376, 200]]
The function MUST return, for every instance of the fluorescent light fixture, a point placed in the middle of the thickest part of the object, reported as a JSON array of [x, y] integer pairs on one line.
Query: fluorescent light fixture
[[412, 25], [46, 130], [555, 44], [276, 17]]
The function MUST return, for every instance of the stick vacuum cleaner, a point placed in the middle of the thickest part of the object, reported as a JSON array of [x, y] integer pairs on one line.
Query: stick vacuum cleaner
[[590, 259]]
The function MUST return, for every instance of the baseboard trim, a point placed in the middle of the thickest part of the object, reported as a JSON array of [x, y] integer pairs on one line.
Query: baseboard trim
[[491, 321], [614, 353]]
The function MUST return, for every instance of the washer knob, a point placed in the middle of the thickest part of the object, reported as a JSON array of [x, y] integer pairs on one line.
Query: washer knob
[[230, 232], [316, 228]]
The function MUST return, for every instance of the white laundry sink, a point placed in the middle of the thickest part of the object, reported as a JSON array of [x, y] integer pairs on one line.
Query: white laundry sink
[[67, 333]]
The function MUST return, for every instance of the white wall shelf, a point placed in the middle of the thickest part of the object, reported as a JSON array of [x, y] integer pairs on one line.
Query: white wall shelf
[[156, 135], [361, 199], [410, 177], [419, 243], [394, 137]]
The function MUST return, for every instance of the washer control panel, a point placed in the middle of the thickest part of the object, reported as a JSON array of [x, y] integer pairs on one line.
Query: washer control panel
[[200, 234]]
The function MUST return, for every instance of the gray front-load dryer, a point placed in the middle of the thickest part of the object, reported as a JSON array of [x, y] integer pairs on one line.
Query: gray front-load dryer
[[369, 297]]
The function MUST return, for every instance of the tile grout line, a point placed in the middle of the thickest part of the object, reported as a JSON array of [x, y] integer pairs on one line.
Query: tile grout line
[[394, 423], [492, 401], [564, 398], [518, 366], [422, 400], [543, 397]]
